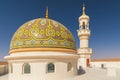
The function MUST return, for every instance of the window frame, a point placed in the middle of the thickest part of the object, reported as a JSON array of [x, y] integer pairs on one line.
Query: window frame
[[69, 66], [52, 70], [25, 65]]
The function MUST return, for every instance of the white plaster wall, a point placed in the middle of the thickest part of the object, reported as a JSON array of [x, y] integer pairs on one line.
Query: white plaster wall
[[113, 68], [39, 71], [39, 67], [107, 64], [16, 71], [82, 62], [111, 72], [84, 43]]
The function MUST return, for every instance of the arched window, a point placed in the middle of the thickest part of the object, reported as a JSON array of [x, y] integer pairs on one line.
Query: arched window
[[83, 25], [69, 66], [26, 68], [50, 68]]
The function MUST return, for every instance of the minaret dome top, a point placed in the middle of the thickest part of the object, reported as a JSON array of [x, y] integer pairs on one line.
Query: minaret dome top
[[83, 16]]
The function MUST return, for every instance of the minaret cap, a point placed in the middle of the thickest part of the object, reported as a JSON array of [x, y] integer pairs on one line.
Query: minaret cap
[[83, 16], [46, 13]]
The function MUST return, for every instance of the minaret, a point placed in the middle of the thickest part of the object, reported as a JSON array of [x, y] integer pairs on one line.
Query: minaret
[[84, 33]]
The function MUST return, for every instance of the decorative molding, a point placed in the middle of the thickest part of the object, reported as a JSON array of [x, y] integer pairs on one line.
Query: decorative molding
[[41, 57], [43, 49]]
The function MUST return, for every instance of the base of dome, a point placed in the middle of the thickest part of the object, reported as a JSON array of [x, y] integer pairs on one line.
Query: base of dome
[[42, 49]]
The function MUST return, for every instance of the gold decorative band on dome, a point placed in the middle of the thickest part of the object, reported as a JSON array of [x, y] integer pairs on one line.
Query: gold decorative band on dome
[[42, 49]]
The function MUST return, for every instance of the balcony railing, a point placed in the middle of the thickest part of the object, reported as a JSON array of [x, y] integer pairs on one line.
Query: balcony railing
[[85, 50]]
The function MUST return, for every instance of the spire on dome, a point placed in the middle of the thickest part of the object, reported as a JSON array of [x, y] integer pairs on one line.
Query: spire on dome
[[83, 8], [46, 13]]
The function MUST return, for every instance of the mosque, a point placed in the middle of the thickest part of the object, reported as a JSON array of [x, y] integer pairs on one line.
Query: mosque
[[44, 49]]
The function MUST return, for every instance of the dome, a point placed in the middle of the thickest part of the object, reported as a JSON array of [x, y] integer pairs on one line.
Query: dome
[[42, 35]]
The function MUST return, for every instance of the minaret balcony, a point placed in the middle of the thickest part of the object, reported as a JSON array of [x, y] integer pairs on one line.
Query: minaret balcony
[[84, 51], [84, 32]]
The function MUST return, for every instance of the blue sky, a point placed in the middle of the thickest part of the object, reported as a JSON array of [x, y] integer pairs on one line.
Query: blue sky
[[104, 21]]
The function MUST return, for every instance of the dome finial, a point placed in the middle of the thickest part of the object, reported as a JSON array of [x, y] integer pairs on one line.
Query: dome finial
[[83, 8], [46, 12]]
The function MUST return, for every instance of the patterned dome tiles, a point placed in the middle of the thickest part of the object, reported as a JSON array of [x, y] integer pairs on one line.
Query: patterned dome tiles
[[42, 33]]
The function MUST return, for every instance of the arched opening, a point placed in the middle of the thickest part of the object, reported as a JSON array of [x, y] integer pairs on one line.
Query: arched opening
[[83, 27], [50, 68], [26, 68], [87, 62], [69, 66]]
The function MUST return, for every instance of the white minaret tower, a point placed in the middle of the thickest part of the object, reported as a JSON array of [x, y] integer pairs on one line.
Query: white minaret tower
[[84, 33]]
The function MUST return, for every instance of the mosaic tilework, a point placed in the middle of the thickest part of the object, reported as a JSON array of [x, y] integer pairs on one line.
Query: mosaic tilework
[[42, 33]]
